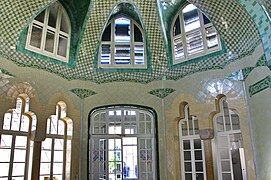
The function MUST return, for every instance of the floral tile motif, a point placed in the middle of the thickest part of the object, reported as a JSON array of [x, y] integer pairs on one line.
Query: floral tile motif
[[260, 86], [83, 93], [5, 72], [162, 93]]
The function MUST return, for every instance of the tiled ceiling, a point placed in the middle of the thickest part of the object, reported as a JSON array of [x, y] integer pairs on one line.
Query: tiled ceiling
[[240, 36]]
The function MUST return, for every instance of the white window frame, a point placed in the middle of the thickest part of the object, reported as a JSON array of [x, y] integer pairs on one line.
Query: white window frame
[[226, 134], [57, 34], [65, 135], [146, 137], [191, 138], [132, 44], [22, 111], [183, 35]]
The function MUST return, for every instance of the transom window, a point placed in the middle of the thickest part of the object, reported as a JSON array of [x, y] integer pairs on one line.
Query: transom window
[[192, 148], [193, 35], [230, 154], [49, 33], [122, 144], [123, 45]]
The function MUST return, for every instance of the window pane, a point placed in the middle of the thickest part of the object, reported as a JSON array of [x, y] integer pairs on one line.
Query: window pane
[[188, 166], [199, 166], [36, 34], [21, 142], [205, 19], [137, 34], [187, 155], [184, 128], [198, 155], [40, 17], [199, 176], [59, 144], [226, 176], [188, 176], [194, 42], [122, 54], [57, 168], [6, 141], [178, 47], [107, 33], [191, 18], [211, 37], [220, 124], [139, 54], [225, 166], [46, 156], [186, 144], [235, 122], [122, 30], [4, 169], [64, 24], [7, 121], [18, 169], [62, 46], [105, 54], [50, 40], [45, 168], [53, 15], [19, 155], [197, 144], [58, 156], [177, 27]]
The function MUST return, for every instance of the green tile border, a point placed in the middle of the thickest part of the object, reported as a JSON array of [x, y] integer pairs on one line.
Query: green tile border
[[260, 86], [162, 93], [83, 93]]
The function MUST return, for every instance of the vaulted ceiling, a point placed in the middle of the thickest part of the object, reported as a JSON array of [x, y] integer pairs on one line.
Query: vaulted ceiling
[[238, 31]]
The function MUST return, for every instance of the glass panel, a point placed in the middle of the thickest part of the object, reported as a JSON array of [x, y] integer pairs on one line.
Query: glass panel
[[211, 37], [191, 18], [186, 144], [196, 125], [235, 122], [205, 19], [178, 47], [188, 176], [45, 168], [122, 54], [187, 155], [199, 176], [188, 166], [61, 127], [194, 42], [6, 141], [191, 127], [105, 54], [58, 156], [4, 169], [36, 34], [50, 40], [53, 15], [225, 165], [57, 168], [197, 144], [198, 155], [62, 46], [20, 142], [107, 33], [40, 17], [24, 124], [18, 169], [7, 121], [199, 166], [59, 144], [47, 144], [226, 176], [139, 54], [45, 156], [64, 26], [122, 30], [19, 155], [6, 152], [220, 124], [137, 34], [224, 153], [184, 128], [177, 27]]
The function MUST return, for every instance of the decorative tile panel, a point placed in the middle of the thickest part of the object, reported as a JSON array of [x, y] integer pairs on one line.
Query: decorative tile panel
[[161, 93], [240, 36], [260, 86], [83, 93]]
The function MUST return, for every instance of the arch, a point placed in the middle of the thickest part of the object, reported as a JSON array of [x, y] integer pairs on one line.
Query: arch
[[16, 146], [124, 18]]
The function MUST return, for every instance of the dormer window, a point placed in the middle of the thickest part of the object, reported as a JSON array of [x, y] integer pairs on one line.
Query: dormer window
[[193, 35], [122, 45], [49, 33]]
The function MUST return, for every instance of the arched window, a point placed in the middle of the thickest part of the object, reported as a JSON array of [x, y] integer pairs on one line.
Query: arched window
[[16, 147], [122, 143], [193, 35], [123, 45], [49, 33], [192, 148], [229, 150], [56, 149]]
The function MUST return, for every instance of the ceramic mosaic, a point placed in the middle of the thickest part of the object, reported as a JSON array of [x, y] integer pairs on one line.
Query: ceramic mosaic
[[240, 40], [261, 62], [260, 86], [83, 93], [263, 23], [161, 93], [5, 72]]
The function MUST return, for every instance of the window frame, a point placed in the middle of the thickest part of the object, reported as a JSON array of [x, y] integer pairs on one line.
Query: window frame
[[191, 138], [227, 134], [132, 44], [183, 35], [56, 31]]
